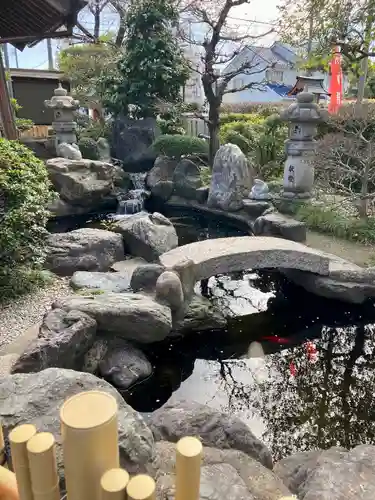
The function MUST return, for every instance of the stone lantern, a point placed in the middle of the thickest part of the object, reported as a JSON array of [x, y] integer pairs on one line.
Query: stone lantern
[[303, 116], [63, 107]]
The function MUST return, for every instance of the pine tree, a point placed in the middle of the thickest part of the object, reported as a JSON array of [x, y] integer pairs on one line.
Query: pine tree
[[153, 68]]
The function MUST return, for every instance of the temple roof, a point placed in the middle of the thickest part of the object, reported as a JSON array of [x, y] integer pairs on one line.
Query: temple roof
[[26, 21]]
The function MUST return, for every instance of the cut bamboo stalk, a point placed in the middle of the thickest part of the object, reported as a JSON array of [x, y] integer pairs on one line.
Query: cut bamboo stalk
[[18, 439], [43, 468], [113, 484], [141, 487], [90, 442], [188, 468], [3, 457], [8, 485]]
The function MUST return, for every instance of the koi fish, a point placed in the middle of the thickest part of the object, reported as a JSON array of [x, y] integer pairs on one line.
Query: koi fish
[[292, 369], [311, 351], [276, 339]]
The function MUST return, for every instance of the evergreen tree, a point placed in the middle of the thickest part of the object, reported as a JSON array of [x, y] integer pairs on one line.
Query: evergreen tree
[[153, 68]]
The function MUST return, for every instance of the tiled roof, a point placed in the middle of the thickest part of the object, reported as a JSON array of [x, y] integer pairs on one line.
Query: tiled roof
[[23, 21], [280, 89]]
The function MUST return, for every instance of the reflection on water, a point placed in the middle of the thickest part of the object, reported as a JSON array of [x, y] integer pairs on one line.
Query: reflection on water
[[324, 401], [328, 402]]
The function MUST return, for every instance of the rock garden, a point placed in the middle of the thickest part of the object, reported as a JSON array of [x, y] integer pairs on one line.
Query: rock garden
[[269, 364]]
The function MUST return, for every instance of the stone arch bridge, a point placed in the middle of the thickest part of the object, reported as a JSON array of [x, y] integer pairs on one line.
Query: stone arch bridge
[[226, 255]]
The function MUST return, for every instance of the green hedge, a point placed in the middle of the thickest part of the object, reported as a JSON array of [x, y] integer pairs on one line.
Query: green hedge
[[176, 146], [260, 139], [24, 195]]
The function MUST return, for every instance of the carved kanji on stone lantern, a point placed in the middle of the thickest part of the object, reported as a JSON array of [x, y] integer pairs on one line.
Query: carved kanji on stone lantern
[[303, 116], [63, 107]]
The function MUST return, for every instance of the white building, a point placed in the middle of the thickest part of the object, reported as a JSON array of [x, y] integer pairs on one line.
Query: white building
[[274, 71]]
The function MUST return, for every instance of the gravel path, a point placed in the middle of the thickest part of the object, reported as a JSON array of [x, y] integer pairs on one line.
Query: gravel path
[[359, 253], [22, 313]]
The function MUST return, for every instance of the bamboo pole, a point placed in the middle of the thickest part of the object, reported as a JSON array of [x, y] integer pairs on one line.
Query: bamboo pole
[[43, 468], [141, 487], [90, 442], [113, 484], [3, 457], [18, 439], [8, 485], [188, 468]]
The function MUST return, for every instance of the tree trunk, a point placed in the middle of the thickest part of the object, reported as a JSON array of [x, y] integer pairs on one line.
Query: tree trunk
[[97, 22], [213, 127], [121, 33]]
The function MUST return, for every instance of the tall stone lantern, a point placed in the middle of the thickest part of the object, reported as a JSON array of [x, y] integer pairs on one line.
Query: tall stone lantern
[[63, 107], [303, 117]]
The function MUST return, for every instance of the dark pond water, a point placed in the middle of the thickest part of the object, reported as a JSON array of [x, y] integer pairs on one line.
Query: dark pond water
[[291, 400]]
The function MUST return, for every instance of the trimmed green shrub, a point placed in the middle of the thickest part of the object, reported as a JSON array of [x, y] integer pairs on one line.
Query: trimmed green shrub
[[176, 146], [24, 124], [24, 195], [88, 148], [87, 127], [250, 118], [261, 109], [171, 123]]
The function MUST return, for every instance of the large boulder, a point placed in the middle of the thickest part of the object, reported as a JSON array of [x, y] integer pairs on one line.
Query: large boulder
[[231, 179], [36, 398], [107, 282], [131, 316], [201, 314], [188, 418], [131, 143], [187, 179], [225, 474], [162, 191], [256, 208], [282, 226], [83, 184], [168, 290], [84, 249], [63, 339], [144, 277], [331, 474], [123, 365], [162, 171], [147, 235]]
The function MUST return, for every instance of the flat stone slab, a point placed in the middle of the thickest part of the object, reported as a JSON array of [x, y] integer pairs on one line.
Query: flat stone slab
[[226, 255], [128, 266], [131, 316], [107, 282]]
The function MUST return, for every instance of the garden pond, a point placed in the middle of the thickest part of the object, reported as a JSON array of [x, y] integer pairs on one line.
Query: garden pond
[[299, 369]]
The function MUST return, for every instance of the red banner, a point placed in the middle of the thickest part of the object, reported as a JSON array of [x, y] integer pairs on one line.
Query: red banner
[[335, 85]]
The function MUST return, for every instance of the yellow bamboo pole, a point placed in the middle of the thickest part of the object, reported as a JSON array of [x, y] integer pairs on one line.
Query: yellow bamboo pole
[[8, 485], [141, 487], [43, 468], [18, 439], [113, 484], [3, 458], [188, 468], [90, 442]]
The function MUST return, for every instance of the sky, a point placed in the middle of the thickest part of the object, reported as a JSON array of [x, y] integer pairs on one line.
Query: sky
[[264, 11]]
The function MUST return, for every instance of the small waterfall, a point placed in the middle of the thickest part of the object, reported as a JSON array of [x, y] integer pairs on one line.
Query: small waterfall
[[132, 201], [139, 180]]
